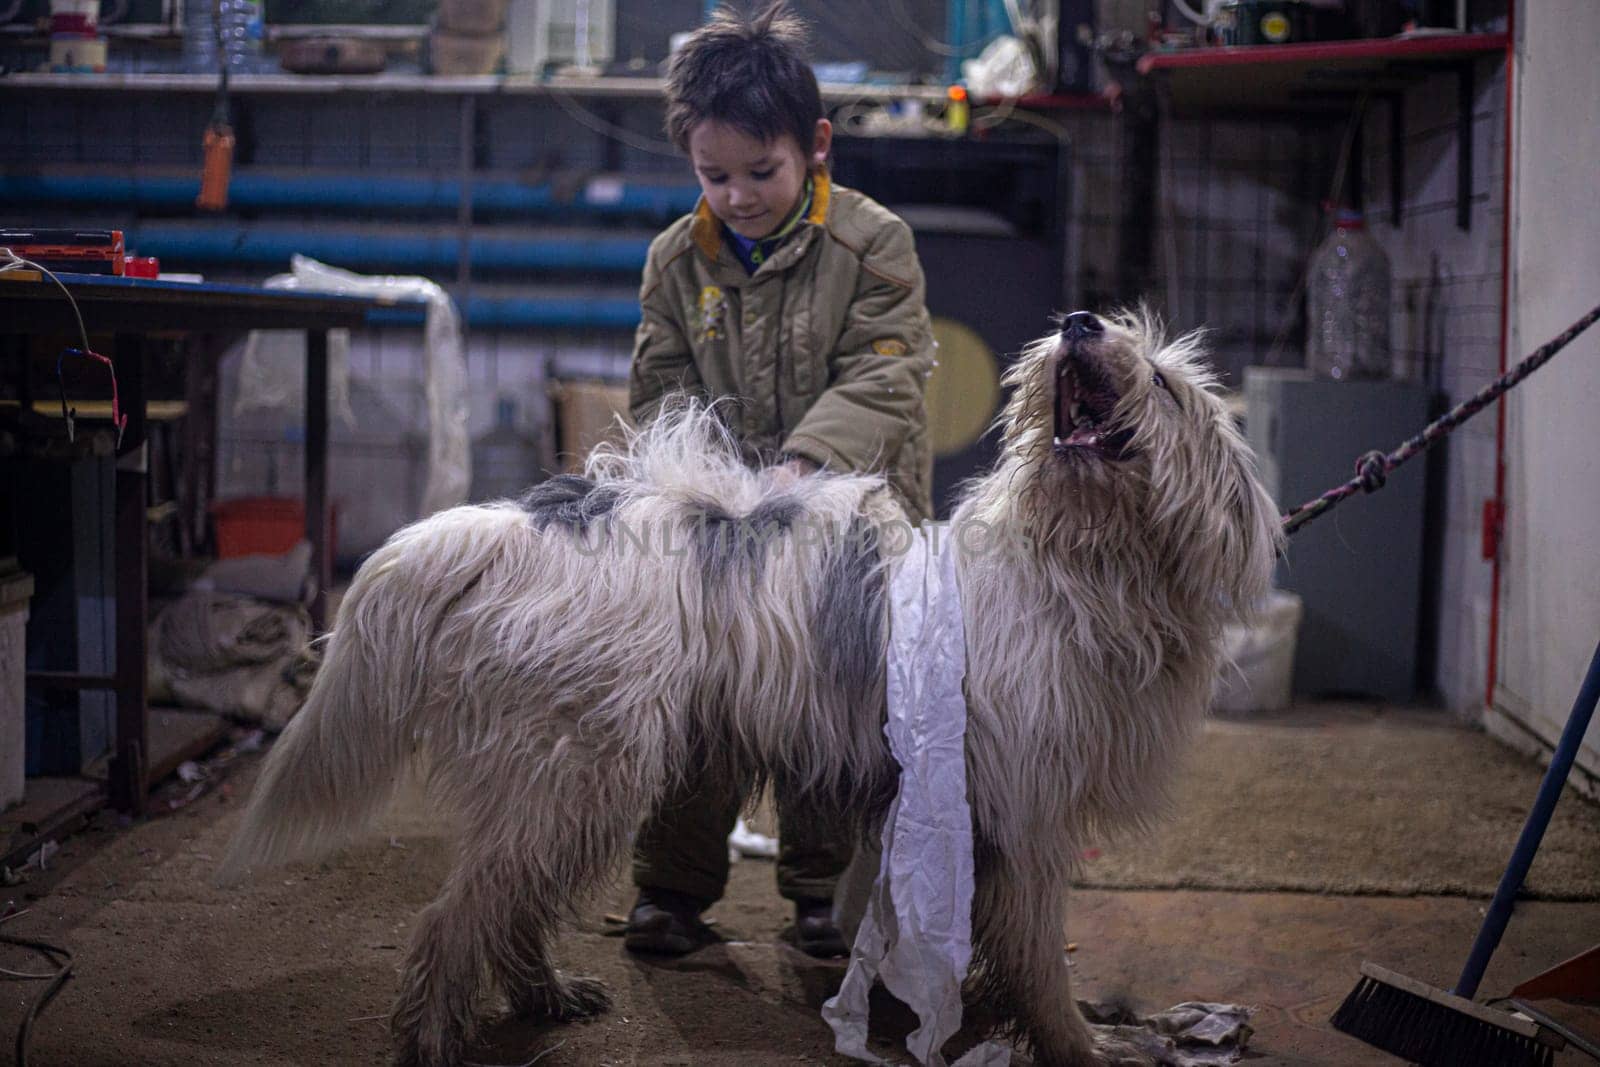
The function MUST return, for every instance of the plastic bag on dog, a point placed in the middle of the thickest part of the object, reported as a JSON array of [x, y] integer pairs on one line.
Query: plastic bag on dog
[[916, 930]]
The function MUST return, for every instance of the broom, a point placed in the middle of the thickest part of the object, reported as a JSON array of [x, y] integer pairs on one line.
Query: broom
[[1429, 1026]]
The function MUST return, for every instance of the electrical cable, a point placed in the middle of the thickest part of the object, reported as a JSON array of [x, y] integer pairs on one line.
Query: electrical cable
[[57, 979], [119, 419], [1008, 112], [16, 262], [897, 8], [1189, 13], [584, 117]]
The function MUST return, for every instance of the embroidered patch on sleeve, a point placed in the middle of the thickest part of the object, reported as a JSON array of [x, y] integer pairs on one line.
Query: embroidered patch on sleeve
[[713, 313], [888, 346]]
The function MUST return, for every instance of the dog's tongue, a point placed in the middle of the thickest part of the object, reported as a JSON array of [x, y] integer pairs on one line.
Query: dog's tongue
[[1065, 392], [1090, 437]]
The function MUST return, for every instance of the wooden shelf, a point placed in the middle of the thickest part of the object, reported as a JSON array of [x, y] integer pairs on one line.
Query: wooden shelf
[[1299, 78], [1056, 102], [473, 85]]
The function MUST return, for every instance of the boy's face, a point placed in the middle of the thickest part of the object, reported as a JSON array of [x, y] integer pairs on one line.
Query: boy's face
[[750, 184]]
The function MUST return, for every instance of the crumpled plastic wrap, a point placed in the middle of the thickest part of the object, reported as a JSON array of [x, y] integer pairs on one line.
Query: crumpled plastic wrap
[[916, 931], [1191, 1034], [272, 371], [1004, 69]]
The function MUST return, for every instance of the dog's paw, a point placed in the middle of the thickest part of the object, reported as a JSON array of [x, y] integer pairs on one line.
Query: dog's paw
[[573, 997], [582, 998], [441, 1053]]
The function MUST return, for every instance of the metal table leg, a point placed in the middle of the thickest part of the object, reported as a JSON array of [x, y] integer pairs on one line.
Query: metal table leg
[[128, 765], [316, 480]]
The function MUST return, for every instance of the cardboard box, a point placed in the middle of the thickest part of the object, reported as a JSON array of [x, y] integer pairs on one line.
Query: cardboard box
[[587, 413]]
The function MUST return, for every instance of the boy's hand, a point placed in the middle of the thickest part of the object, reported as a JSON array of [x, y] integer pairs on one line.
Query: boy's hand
[[792, 470]]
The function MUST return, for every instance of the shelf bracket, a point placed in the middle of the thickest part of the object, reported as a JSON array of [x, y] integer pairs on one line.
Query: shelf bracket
[[1465, 92]]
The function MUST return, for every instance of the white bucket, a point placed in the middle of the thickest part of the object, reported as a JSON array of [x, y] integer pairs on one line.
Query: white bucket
[[1260, 674], [15, 589]]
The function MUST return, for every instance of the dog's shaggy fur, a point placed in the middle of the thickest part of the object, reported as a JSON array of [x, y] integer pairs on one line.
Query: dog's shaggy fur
[[558, 663]]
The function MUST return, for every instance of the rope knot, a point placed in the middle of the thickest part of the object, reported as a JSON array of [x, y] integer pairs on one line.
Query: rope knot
[[1373, 470]]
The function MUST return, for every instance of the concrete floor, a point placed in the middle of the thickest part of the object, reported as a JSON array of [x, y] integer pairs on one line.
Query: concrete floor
[[298, 966]]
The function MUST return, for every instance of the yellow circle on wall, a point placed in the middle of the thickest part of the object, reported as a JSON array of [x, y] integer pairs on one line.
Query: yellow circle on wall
[[1275, 27], [964, 391]]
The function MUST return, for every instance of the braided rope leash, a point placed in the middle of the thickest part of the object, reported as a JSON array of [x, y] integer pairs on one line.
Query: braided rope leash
[[1373, 468]]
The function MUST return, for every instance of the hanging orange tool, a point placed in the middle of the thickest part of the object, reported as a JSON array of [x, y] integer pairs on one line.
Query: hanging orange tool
[[217, 167]]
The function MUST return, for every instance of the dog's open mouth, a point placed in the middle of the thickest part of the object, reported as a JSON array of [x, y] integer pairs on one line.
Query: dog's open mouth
[[1085, 402]]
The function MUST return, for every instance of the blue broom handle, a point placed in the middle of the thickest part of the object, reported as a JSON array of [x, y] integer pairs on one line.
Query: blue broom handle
[[1494, 923]]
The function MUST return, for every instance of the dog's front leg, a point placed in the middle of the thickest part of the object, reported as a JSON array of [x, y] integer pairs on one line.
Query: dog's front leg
[[1018, 938]]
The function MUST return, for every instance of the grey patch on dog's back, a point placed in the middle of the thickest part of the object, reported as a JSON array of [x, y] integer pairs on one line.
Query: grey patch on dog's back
[[568, 500], [724, 543], [848, 618]]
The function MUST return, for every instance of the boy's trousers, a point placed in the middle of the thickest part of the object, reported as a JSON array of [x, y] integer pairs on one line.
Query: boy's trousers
[[684, 847]]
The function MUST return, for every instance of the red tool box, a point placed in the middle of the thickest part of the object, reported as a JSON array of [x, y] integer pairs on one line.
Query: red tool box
[[73, 251]]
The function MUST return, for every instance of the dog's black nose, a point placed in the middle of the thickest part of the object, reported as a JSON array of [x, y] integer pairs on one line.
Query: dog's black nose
[[1081, 324]]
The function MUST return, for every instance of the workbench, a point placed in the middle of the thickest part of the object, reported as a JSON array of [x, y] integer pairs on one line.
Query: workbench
[[134, 311]]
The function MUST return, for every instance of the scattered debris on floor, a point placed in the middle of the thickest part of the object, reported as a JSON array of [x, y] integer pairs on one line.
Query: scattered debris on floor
[[195, 778], [38, 860], [1191, 1034]]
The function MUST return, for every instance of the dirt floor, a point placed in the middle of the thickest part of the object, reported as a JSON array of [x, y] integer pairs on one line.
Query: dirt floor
[[298, 967]]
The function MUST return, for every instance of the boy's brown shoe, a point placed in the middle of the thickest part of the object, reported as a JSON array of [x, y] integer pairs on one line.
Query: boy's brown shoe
[[664, 922], [814, 931]]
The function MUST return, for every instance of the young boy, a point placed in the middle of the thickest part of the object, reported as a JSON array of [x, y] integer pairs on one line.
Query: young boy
[[803, 301]]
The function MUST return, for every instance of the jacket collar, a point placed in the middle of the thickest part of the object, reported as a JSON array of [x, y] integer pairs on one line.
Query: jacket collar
[[707, 228]]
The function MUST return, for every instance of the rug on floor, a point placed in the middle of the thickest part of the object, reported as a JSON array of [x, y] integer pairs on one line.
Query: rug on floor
[[1355, 800]]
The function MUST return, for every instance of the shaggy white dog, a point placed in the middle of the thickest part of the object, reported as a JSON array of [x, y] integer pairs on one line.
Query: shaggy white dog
[[555, 664]]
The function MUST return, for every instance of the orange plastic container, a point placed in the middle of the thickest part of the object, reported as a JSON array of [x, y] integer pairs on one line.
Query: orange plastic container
[[264, 526]]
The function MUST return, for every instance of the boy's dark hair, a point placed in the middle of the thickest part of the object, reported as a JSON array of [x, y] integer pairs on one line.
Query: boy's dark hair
[[750, 73]]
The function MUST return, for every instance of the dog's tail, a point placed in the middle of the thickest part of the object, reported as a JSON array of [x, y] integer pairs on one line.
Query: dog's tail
[[337, 765]]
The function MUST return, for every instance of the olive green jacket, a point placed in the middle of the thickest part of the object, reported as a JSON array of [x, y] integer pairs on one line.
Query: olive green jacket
[[826, 348]]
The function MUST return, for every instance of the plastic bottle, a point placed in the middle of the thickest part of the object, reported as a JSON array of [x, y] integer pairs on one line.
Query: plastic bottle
[[504, 463], [242, 34], [1348, 304]]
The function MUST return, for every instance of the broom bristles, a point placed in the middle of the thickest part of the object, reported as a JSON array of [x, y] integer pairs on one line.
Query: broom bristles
[[1427, 1026]]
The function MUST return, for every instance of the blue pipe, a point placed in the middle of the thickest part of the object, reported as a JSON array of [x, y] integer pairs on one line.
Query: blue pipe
[[1555, 779], [955, 24], [233, 243], [529, 312], [249, 192]]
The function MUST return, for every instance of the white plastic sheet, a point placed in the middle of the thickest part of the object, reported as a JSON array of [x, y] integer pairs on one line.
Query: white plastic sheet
[[1004, 68], [272, 374], [916, 931]]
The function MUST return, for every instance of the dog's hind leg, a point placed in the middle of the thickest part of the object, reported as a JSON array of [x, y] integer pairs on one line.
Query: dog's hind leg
[[432, 1017], [1018, 938], [527, 854]]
